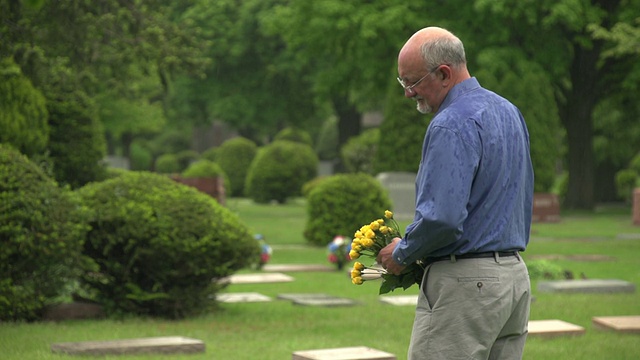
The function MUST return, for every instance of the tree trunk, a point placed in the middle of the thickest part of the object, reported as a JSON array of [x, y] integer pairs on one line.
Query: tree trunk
[[348, 122], [576, 112], [605, 183]]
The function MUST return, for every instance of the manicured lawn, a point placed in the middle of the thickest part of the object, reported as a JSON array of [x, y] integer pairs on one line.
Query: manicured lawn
[[273, 330]]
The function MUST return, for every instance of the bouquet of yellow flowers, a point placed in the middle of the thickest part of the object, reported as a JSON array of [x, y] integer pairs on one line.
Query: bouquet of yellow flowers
[[368, 241]]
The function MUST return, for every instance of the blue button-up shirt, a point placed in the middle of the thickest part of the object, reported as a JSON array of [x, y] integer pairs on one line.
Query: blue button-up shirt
[[474, 187]]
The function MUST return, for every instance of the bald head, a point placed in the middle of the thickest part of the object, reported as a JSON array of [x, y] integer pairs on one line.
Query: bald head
[[433, 60], [434, 46]]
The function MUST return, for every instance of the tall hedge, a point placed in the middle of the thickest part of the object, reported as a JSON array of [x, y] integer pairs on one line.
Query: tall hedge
[[279, 171], [160, 246], [341, 204], [235, 156], [42, 229]]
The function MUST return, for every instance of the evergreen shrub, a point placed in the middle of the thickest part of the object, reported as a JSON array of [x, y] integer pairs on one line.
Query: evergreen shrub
[[42, 229], [161, 246], [327, 141], [359, 153], [167, 164], [186, 158], [279, 171], [295, 135], [341, 204], [76, 143], [235, 156], [206, 169]]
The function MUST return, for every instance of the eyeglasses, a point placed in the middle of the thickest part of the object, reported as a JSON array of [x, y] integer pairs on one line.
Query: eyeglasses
[[409, 88]]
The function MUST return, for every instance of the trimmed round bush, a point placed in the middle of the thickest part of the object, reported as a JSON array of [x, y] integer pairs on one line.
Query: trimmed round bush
[[161, 246], [341, 204], [359, 153], [279, 171], [295, 135], [42, 230], [206, 169], [210, 154], [235, 156], [167, 164], [186, 158]]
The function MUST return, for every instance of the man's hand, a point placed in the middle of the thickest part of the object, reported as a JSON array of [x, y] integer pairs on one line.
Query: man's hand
[[385, 258]]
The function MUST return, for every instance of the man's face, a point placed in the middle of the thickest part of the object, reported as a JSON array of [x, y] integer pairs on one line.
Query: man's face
[[419, 83]]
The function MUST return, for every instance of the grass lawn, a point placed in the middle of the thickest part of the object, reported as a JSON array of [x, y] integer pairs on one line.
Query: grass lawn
[[273, 330]]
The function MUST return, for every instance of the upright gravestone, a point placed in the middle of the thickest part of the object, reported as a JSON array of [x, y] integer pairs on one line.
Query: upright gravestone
[[402, 192]]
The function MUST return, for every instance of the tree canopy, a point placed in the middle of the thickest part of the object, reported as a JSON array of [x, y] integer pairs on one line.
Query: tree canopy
[[262, 65]]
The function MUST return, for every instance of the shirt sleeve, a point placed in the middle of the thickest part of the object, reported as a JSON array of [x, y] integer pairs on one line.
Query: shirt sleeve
[[443, 187]]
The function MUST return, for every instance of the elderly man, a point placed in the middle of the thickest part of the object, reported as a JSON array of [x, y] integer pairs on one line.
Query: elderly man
[[474, 192]]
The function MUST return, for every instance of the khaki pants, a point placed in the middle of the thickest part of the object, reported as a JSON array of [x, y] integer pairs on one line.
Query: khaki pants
[[472, 309]]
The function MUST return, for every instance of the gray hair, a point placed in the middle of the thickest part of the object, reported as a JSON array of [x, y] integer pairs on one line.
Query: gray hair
[[443, 50]]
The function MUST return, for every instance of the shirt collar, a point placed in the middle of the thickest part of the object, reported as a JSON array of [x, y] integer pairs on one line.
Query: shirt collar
[[457, 91]]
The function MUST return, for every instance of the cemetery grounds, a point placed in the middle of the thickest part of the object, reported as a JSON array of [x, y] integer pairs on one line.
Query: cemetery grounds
[[602, 245]]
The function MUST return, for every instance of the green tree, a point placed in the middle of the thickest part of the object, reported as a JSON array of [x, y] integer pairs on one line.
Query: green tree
[[556, 35], [23, 113], [253, 83], [346, 49]]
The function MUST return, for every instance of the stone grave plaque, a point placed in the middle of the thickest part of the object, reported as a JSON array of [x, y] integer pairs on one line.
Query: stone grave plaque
[[297, 267], [587, 286], [552, 328], [242, 297], [400, 300], [401, 187], [298, 296], [153, 345], [317, 300], [346, 353], [628, 324], [256, 278]]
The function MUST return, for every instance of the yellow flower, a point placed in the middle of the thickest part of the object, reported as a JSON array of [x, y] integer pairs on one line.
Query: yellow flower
[[355, 273], [367, 243], [370, 234], [357, 247], [384, 229], [358, 265], [374, 226], [354, 254], [388, 214], [357, 280], [358, 234]]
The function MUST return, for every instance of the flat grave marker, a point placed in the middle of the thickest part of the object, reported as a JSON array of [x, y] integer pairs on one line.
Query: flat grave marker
[[242, 297], [153, 345], [346, 353], [587, 286], [626, 324], [257, 278], [554, 327], [297, 267], [319, 299], [400, 300]]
